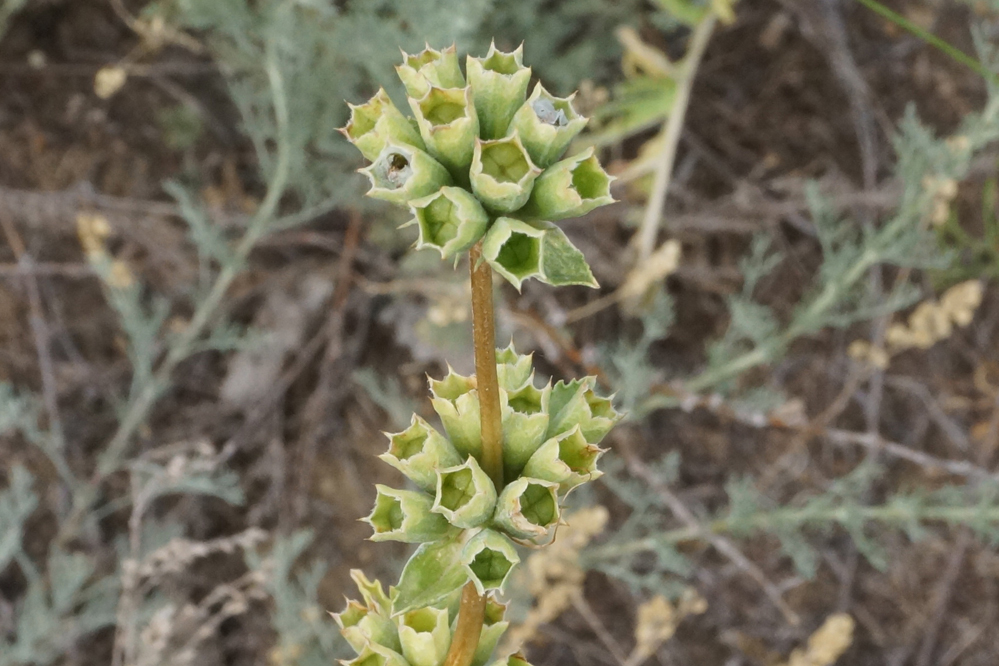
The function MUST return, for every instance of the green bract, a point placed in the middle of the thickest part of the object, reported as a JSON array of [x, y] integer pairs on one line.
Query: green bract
[[478, 166]]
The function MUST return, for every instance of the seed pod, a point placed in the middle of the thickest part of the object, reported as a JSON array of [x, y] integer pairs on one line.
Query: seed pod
[[489, 557], [570, 188], [418, 451], [514, 249], [405, 515], [457, 403], [466, 496], [574, 404], [376, 122], [547, 125], [525, 421], [513, 369], [451, 220], [430, 68], [499, 83], [502, 174], [425, 635], [401, 173], [527, 508], [567, 460], [449, 126]]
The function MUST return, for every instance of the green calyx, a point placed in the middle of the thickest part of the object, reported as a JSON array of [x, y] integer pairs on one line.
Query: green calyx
[[425, 635], [401, 173], [527, 508], [405, 515], [430, 67], [449, 127], [466, 496], [377, 122], [547, 125], [450, 221], [502, 174], [568, 460], [499, 83], [570, 188], [489, 558], [419, 451], [514, 249]]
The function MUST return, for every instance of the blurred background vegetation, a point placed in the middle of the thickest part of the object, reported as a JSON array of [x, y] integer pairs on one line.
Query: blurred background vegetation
[[204, 328]]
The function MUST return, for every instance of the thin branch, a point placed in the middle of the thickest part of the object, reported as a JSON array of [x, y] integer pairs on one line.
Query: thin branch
[[646, 236]]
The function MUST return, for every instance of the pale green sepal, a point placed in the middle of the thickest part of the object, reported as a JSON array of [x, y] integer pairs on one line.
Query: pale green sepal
[[527, 508], [372, 592], [513, 248], [466, 496], [430, 67], [574, 403], [419, 451], [449, 126], [369, 622], [425, 634], [457, 404], [432, 573], [502, 174], [401, 173], [374, 654], [567, 460], [499, 84], [359, 626], [451, 220], [569, 188], [547, 125], [525, 422], [377, 122], [405, 515], [488, 558], [492, 630], [512, 369], [561, 262]]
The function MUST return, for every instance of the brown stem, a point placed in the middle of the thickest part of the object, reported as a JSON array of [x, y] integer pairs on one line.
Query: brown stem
[[471, 613], [471, 616], [484, 334]]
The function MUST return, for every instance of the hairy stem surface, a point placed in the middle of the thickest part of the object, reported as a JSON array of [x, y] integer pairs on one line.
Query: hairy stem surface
[[471, 614], [484, 333]]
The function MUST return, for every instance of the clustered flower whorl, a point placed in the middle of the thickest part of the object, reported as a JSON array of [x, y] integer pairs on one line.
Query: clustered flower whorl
[[479, 161]]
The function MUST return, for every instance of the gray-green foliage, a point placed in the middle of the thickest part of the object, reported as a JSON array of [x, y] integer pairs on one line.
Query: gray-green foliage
[[799, 526]]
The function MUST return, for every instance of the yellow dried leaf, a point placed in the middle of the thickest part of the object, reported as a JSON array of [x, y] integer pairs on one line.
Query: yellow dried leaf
[[108, 81], [827, 644]]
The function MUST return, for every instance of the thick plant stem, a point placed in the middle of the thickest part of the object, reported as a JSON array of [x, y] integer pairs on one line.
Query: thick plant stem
[[484, 333], [471, 614]]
